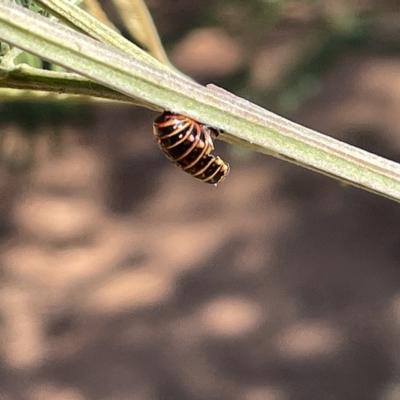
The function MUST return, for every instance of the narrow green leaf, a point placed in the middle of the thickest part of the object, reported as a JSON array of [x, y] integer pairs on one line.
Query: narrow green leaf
[[246, 123], [137, 19]]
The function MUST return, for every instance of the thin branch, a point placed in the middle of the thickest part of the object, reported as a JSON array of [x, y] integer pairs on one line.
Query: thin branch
[[80, 19], [94, 8], [27, 78], [246, 123], [139, 22]]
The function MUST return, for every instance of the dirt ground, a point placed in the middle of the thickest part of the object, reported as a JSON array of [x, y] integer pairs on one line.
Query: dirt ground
[[123, 278]]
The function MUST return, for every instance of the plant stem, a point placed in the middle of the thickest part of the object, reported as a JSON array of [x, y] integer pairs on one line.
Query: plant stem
[[245, 123]]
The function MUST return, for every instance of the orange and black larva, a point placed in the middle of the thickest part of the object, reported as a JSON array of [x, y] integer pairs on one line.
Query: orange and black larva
[[188, 144]]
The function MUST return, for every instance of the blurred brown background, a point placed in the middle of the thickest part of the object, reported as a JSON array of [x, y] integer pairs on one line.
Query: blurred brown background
[[124, 278]]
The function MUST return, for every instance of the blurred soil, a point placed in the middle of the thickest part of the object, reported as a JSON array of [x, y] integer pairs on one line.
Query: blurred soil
[[123, 278]]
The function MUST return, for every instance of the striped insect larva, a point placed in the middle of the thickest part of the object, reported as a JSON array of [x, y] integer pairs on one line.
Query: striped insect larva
[[188, 145]]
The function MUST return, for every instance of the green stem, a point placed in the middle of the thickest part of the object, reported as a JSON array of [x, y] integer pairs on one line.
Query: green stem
[[246, 123], [80, 19], [28, 78]]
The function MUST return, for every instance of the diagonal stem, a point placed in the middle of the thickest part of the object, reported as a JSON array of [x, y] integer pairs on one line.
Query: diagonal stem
[[246, 123]]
